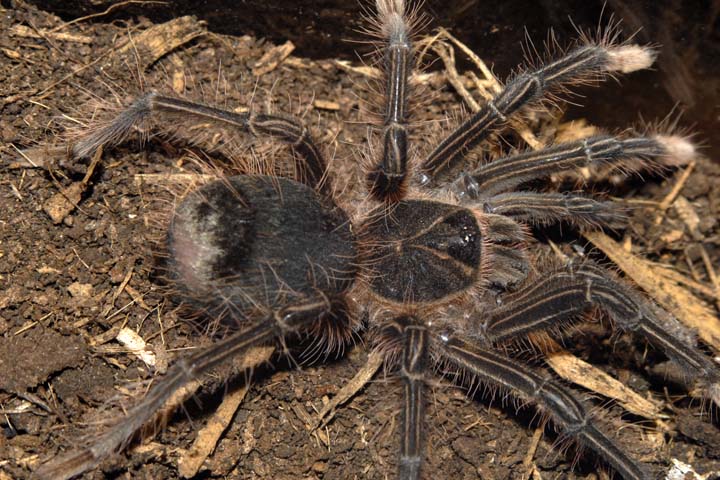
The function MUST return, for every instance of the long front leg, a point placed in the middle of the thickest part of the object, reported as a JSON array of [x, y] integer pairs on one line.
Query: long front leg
[[276, 326], [559, 297], [154, 108], [569, 414]]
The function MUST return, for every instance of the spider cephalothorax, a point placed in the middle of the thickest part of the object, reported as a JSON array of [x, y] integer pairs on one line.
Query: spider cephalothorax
[[438, 267], [422, 251]]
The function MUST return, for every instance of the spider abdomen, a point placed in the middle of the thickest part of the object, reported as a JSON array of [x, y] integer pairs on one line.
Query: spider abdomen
[[256, 242], [427, 251]]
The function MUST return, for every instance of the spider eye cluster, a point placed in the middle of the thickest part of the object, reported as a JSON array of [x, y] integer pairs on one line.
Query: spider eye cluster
[[249, 242], [423, 251]]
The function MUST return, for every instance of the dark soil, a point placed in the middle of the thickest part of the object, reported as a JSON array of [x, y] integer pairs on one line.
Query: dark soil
[[60, 308]]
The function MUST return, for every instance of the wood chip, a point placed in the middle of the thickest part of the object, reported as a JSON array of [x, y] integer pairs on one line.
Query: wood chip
[[27, 32], [683, 471], [159, 40], [667, 292], [272, 58], [326, 105], [137, 298], [364, 70], [81, 291], [528, 463], [672, 236], [11, 54], [672, 195], [209, 435], [178, 82]]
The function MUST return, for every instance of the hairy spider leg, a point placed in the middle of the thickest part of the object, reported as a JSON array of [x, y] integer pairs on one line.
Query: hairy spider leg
[[558, 297], [550, 207], [386, 181], [581, 63], [412, 372], [504, 174], [275, 326], [312, 167], [498, 370]]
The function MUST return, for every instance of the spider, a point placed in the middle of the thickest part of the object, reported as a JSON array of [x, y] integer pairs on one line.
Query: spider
[[436, 265]]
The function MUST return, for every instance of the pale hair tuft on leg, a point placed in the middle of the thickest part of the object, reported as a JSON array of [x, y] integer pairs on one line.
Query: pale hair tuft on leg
[[679, 149], [630, 58]]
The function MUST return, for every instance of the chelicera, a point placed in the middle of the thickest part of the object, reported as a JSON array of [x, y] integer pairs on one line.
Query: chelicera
[[435, 260]]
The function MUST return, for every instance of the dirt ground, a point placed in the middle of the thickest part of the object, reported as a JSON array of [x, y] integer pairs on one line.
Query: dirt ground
[[72, 280]]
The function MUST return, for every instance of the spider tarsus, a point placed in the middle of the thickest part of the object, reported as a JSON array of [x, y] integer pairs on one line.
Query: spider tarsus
[[630, 58], [117, 130], [680, 150]]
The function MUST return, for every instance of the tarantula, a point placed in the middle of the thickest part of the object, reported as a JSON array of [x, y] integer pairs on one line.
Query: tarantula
[[436, 267]]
